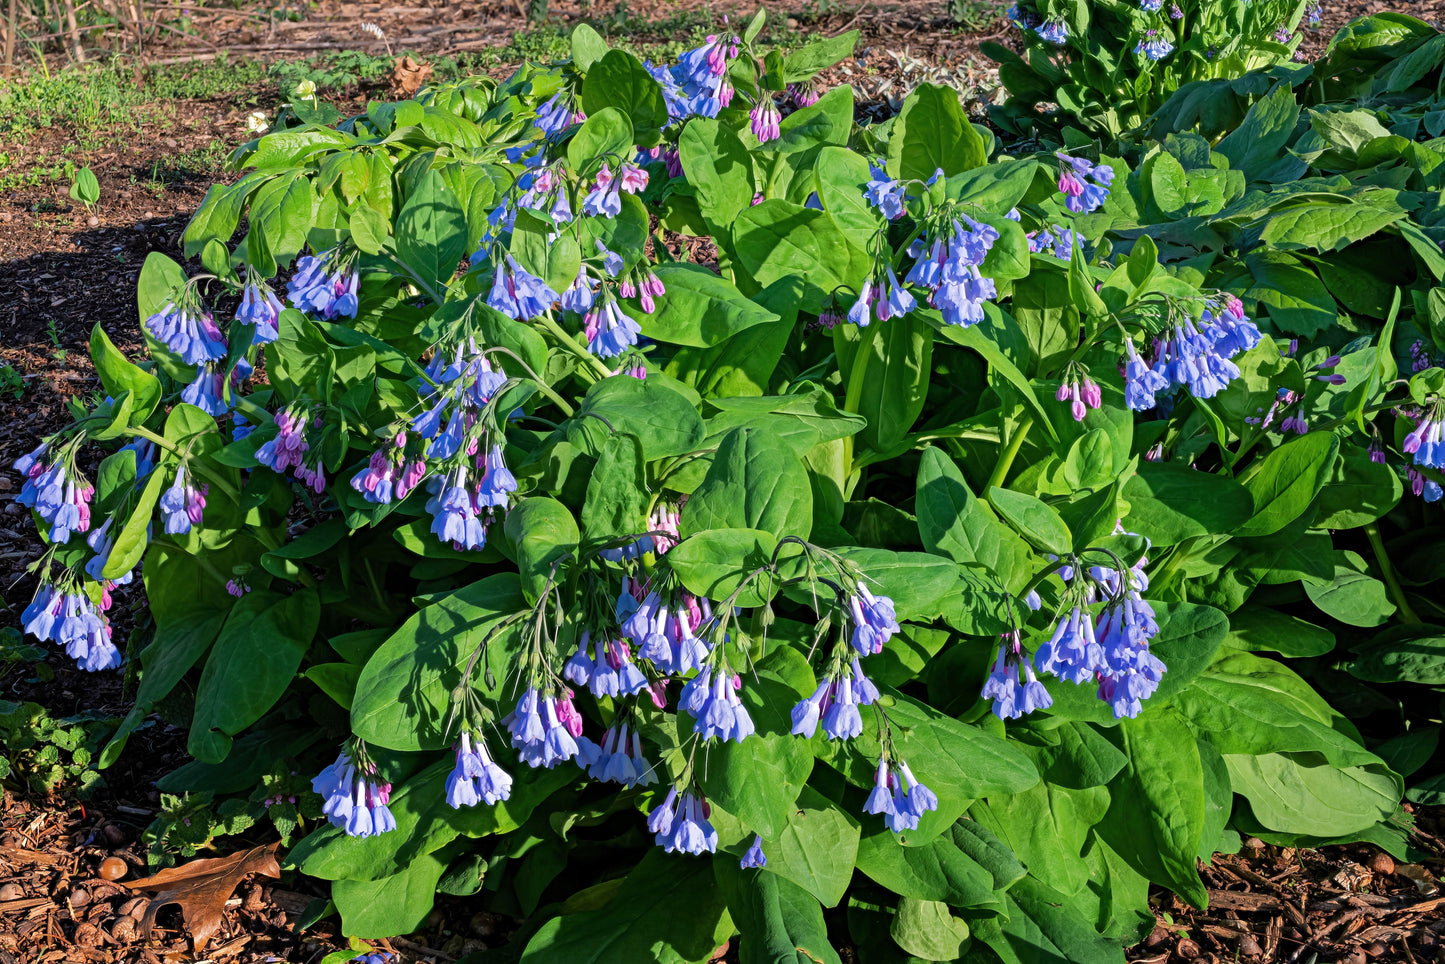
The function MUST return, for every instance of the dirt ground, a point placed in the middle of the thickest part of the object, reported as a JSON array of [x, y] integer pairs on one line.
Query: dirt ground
[[65, 268]]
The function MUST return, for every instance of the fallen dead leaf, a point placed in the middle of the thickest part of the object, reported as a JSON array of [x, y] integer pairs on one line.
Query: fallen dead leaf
[[202, 887], [408, 74]]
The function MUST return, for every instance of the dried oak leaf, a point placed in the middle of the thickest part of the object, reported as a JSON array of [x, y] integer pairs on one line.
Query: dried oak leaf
[[408, 75], [202, 887]]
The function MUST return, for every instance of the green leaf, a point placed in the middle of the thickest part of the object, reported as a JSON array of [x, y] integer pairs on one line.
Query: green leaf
[[953, 522], [1353, 597], [840, 178], [604, 137], [662, 418], [404, 693], [391, 905], [617, 492], [1169, 503], [817, 848], [1414, 654], [250, 666], [939, 871], [932, 132], [1037, 522], [712, 564], [1360, 490], [778, 239], [1290, 793], [926, 929], [1285, 482], [545, 534], [779, 922], [755, 482], [1047, 827], [1044, 927], [588, 47], [803, 63], [699, 308], [619, 80], [829, 121], [666, 910], [1296, 300], [85, 188], [1257, 628], [1250, 705], [896, 360], [369, 229], [719, 168], [1156, 803], [758, 780], [431, 231], [132, 539]]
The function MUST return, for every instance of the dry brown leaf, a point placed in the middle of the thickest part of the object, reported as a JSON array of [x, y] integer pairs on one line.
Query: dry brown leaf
[[408, 74], [202, 887]]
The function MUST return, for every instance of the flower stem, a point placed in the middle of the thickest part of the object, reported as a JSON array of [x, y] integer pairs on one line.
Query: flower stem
[[1007, 456]]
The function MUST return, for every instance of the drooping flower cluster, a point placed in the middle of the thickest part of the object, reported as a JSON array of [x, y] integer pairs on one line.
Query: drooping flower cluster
[[605, 198], [260, 308], [184, 504], [354, 799], [1196, 357], [948, 255], [476, 777], [325, 285], [1110, 648], [1085, 185], [188, 330], [1055, 32], [885, 194], [389, 474], [765, 119], [835, 704], [56, 490], [1080, 391], [619, 759], [1425, 442], [604, 665], [517, 293], [1055, 240], [898, 796], [290, 448], [698, 83], [1154, 46], [66, 615], [681, 825], [545, 728]]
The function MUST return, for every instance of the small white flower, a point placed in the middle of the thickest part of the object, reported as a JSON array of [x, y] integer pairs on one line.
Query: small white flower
[[256, 122], [306, 90]]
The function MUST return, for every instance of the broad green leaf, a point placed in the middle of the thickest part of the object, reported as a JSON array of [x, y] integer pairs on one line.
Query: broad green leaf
[[1290, 793], [404, 693], [1156, 803], [617, 492], [1286, 481], [619, 80], [251, 664], [391, 905], [1413, 654], [818, 847], [1033, 519], [1258, 628], [1354, 598], [891, 370], [955, 523], [117, 374], [713, 564], [1169, 503], [932, 132], [546, 536], [662, 418], [719, 168], [778, 921], [666, 910], [925, 928], [1047, 827], [699, 308], [778, 239], [603, 138], [755, 482], [939, 871]]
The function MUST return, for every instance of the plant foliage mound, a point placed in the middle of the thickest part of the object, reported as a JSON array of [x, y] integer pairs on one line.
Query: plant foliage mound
[[641, 495]]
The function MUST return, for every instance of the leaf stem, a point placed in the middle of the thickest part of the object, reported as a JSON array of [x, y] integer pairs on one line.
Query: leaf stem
[[1397, 592], [601, 370], [852, 397], [1006, 458]]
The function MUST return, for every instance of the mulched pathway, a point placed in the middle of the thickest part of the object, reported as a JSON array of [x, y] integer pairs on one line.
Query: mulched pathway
[[64, 269]]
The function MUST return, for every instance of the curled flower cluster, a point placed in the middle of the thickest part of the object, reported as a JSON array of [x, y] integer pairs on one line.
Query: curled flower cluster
[[681, 825], [260, 308], [1153, 46], [476, 777], [188, 331], [184, 504], [1080, 391], [289, 449], [57, 492], [948, 258]]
